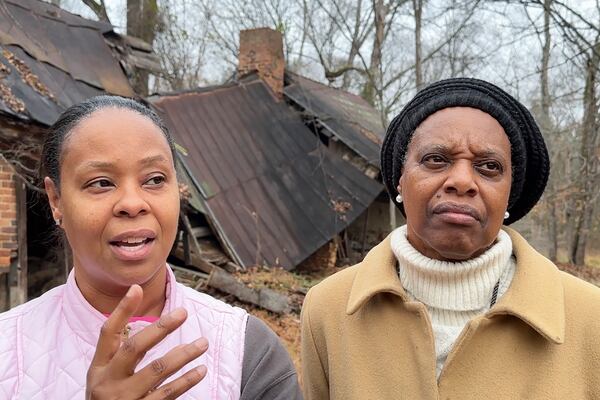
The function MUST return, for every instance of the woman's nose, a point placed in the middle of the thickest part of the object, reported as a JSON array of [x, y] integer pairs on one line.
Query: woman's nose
[[130, 202], [461, 179]]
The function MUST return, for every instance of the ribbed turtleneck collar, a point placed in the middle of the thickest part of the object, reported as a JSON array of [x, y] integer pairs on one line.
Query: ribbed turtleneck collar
[[458, 286]]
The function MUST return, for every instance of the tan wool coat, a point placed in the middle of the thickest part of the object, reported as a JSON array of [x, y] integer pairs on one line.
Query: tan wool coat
[[363, 338]]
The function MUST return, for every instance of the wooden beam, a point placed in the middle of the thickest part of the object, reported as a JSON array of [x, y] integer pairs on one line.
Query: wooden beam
[[146, 61], [224, 281], [137, 43], [21, 198], [4, 291]]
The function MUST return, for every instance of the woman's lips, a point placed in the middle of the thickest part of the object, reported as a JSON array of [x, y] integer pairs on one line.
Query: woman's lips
[[133, 245], [458, 214], [132, 252]]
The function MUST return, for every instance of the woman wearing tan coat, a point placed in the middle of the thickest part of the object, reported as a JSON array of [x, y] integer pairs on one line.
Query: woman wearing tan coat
[[454, 305]]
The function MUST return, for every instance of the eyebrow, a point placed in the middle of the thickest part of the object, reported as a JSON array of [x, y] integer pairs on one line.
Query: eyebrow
[[488, 152], [107, 164], [153, 159], [98, 164]]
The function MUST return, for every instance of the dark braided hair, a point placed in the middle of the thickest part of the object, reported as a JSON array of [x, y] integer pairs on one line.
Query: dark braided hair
[[529, 156], [59, 132]]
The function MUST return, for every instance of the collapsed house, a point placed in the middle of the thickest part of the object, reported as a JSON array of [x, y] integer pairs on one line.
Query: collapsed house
[[279, 164], [274, 167]]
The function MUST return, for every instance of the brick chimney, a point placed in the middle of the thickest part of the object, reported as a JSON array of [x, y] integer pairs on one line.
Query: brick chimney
[[261, 50]]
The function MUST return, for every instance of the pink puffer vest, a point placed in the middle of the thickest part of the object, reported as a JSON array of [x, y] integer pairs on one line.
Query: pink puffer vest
[[47, 344]]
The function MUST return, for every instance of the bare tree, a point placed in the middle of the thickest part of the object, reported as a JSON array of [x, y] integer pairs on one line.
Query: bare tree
[[99, 8], [589, 173], [142, 19], [181, 43], [226, 18], [587, 177], [342, 22], [418, 14], [544, 114]]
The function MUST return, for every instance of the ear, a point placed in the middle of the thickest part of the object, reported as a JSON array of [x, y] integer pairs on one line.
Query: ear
[[53, 198], [399, 187]]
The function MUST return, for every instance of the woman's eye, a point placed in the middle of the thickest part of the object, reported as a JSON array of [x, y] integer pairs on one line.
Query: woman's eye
[[490, 168], [434, 160], [100, 184], [155, 180]]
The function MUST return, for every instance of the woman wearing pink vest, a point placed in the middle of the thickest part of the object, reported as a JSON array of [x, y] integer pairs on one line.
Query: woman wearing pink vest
[[122, 327]]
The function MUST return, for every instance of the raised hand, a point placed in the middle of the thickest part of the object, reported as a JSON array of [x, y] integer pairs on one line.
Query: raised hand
[[111, 374]]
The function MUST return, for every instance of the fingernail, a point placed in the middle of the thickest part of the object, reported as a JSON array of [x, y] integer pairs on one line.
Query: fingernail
[[201, 369], [129, 293], [179, 313], [201, 344]]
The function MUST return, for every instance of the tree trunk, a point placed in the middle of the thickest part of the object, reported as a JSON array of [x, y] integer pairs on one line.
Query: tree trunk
[[355, 47], [547, 129], [589, 132], [418, 12], [142, 18], [374, 77]]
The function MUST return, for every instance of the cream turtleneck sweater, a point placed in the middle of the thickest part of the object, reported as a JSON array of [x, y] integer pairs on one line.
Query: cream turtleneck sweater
[[453, 292]]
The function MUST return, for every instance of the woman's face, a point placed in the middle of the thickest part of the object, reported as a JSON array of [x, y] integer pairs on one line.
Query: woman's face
[[455, 183], [118, 199]]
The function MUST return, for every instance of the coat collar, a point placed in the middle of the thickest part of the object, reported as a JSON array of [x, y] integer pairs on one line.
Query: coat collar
[[535, 295], [85, 321]]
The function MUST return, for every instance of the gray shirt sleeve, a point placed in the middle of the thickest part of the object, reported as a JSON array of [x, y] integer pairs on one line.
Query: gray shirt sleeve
[[267, 370]]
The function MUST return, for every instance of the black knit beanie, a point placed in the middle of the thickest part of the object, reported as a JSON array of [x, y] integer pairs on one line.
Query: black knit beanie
[[530, 161]]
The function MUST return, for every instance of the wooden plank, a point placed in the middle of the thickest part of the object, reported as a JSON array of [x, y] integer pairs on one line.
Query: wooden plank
[[137, 43], [4, 292], [226, 282], [21, 198], [145, 61], [203, 265]]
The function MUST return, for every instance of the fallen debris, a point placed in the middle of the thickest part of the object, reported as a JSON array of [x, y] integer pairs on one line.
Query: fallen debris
[[224, 281], [27, 76]]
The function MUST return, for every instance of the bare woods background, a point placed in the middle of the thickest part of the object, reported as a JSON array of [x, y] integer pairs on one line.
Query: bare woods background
[[545, 52]]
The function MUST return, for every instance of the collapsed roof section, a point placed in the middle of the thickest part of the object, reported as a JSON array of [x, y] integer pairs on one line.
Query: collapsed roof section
[[51, 59], [345, 115], [271, 190]]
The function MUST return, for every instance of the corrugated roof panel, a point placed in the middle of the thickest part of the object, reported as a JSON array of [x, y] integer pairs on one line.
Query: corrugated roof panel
[[269, 184], [349, 117], [21, 27]]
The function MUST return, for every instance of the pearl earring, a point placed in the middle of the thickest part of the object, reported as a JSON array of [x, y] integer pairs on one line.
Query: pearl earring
[[58, 222], [399, 198], [506, 215]]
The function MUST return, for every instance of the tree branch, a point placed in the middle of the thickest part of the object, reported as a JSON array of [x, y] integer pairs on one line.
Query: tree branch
[[98, 8]]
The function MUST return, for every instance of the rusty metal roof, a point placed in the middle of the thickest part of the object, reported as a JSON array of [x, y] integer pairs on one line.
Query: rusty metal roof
[[347, 116], [52, 59], [273, 192]]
